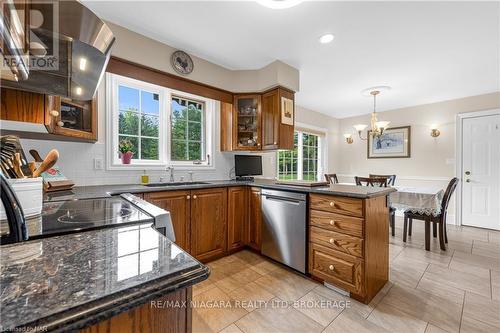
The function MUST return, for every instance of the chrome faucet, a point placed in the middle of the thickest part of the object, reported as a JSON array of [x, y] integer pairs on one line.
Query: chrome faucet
[[171, 169]]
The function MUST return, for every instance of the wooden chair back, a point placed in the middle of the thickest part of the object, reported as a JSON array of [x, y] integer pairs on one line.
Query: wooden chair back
[[371, 181], [391, 179], [331, 178], [452, 185]]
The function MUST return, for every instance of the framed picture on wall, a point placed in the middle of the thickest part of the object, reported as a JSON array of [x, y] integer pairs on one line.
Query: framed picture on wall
[[286, 111], [394, 143]]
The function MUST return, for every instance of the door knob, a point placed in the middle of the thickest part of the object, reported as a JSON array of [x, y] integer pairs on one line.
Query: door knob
[[467, 180], [467, 173]]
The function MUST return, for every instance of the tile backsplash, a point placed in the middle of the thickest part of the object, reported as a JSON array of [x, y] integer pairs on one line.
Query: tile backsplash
[[76, 161]]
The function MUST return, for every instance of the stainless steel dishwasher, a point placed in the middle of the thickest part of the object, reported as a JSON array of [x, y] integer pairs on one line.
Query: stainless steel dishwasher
[[284, 227]]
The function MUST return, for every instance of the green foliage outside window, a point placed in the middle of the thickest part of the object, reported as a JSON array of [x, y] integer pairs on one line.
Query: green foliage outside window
[[187, 130]]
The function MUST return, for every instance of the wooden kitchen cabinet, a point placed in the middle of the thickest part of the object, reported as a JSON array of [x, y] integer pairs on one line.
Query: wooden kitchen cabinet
[[71, 118], [254, 122], [237, 217], [349, 243], [255, 219], [18, 105], [178, 203], [247, 122], [208, 223], [276, 134], [64, 119]]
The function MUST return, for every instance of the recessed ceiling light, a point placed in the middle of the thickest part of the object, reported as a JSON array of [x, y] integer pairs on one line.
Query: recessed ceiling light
[[326, 38], [279, 4]]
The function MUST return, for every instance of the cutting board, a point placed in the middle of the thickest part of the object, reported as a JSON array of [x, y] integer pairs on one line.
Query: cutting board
[[305, 183]]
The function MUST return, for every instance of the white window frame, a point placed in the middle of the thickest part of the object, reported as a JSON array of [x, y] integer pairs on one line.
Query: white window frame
[[322, 149], [165, 100]]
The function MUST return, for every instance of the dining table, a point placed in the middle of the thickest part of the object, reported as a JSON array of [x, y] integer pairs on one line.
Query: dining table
[[423, 200]]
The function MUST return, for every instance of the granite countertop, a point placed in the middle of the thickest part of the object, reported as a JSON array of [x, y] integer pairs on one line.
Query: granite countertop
[[67, 282], [102, 191]]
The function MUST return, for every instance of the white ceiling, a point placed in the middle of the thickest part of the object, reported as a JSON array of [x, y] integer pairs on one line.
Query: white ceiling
[[426, 51]]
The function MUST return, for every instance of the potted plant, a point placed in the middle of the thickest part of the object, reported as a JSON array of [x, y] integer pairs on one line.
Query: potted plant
[[125, 148]]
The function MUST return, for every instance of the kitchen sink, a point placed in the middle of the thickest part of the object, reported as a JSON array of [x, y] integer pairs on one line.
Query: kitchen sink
[[175, 184]]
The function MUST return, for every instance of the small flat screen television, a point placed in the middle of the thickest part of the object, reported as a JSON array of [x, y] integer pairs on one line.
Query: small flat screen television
[[247, 165]]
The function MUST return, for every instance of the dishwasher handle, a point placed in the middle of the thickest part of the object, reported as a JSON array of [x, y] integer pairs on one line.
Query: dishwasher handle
[[283, 199]]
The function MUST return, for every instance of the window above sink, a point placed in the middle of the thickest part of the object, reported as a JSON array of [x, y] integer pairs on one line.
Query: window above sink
[[165, 127]]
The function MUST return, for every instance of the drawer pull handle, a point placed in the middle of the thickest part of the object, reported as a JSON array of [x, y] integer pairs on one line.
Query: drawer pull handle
[[332, 203], [332, 268]]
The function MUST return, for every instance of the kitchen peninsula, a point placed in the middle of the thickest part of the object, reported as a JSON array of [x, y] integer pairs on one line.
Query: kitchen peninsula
[[348, 244], [97, 280]]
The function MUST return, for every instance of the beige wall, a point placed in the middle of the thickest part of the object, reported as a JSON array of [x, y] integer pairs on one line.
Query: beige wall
[[146, 51], [430, 157]]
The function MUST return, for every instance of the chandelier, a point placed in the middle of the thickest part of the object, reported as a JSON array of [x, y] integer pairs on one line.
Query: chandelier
[[377, 127]]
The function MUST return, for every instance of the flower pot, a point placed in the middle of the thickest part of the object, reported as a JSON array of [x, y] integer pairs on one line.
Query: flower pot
[[127, 157]]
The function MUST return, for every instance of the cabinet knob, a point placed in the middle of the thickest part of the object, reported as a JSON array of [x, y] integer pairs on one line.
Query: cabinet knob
[[258, 145], [332, 222], [60, 123], [332, 203], [188, 197], [194, 196], [332, 241], [332, 268], [54, 113], [275, 143]]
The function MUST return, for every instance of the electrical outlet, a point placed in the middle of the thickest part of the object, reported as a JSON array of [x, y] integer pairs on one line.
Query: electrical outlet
[[98, 163]]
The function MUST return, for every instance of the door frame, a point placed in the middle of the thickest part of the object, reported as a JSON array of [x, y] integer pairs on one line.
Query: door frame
[[459, 152]]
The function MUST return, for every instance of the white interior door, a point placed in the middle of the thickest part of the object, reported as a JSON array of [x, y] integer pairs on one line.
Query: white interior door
[[481, 172]]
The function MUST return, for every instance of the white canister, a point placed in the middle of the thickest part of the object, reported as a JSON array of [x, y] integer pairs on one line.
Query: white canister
[[29, 192]]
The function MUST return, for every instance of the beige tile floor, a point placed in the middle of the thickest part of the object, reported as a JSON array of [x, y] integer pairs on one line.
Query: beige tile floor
[[453, 291]]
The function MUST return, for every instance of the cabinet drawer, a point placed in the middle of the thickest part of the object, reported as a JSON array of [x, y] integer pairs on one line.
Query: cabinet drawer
[[340, 242], [336, 268], [335, 204], [340, 223]]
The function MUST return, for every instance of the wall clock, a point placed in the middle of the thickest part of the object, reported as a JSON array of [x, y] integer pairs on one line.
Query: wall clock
[[182, 62]]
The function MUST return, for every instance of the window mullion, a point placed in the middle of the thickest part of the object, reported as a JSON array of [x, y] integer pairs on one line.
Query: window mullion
[[300, 151]]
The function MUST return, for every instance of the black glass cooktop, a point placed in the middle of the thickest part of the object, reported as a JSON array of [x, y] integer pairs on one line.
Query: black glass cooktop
[[73, 216]]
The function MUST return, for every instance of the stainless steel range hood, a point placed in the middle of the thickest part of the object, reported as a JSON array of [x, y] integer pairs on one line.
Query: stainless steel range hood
[[69, 48]]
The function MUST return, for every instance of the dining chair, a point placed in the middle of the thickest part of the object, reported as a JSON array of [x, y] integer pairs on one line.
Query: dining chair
[[331, 178], [371, 181], [391, 179], [438, 221], [380, 182]]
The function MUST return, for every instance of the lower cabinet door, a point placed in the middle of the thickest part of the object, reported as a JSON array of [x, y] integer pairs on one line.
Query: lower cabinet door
[[339, 269], [254, 219], [208, 223], [178, 203], [237, 217]]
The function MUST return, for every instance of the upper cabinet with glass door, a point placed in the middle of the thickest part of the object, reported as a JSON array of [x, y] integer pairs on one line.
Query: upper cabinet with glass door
[[247, 122], [259, 121]]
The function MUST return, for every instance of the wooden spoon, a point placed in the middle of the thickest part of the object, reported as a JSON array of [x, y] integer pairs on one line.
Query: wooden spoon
[[47, 163], [36, 155]]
